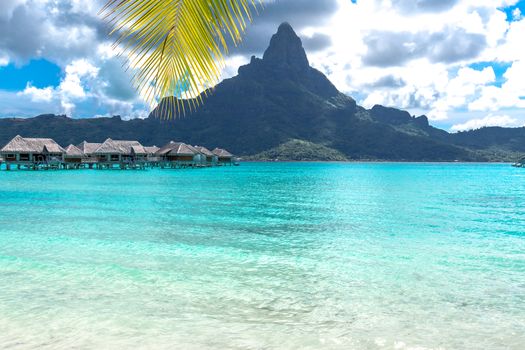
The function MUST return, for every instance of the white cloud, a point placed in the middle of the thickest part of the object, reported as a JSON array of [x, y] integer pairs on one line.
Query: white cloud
[[58, 30], [7, 7], [82, 86], [17, 104], [232, 64], [516, 14], [76, 73], [70, 90], [459, 90], [510, 94], [434, 88], [36, 94], [132, 114], [490, 120]]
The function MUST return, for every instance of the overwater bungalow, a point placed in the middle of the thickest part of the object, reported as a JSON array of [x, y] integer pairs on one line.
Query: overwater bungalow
[[73, 157], [224, 157], [32, 152], [179, 154], [211, 158], [87, 149], [152, 153], [122, 153], [199, 158]]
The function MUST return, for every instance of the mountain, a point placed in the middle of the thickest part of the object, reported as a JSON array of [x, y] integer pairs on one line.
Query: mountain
[[278, 104], [299, 150]]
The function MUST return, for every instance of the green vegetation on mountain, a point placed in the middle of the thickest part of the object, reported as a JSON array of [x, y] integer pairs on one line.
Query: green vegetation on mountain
[[299, 150]]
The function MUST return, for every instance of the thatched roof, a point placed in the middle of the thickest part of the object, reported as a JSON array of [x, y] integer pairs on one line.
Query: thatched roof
[[74, 151], [53, 147], [120, 147], [194, 149], [167, 148], [138, 149], [204, 151], [88, 147], [219, 152], [151, 149], [177, 149], [20, 144]]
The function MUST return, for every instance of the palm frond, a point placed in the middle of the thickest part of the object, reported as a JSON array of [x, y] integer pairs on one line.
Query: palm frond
[[175, 48]]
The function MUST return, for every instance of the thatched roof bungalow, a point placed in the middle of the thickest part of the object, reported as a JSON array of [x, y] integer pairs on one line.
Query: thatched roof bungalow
[[199, 157], [152, 153], [179, 152], [73, 154], [223, 155], [210, 157], [88, 148], [34, 150], [119, 151]]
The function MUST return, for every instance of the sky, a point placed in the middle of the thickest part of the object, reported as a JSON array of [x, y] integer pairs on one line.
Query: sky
[[460, 62]]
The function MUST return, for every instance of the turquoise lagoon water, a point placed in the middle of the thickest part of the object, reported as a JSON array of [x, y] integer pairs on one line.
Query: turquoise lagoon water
[[264, 256]]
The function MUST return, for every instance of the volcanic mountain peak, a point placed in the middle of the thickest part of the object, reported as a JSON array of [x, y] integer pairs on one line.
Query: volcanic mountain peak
[[286, 65], [286, 50]]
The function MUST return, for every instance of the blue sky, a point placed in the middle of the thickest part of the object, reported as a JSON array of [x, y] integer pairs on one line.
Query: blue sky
[[499, 69], [37, 72], [520, 5], [458, 61]]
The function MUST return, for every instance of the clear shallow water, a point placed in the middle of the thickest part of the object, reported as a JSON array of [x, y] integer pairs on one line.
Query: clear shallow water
[[264, 256]]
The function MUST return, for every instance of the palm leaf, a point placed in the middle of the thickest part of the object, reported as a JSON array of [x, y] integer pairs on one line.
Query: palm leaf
[[175, 48]]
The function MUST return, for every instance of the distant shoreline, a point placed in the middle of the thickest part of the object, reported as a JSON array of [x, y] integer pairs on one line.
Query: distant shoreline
[[371, 161]]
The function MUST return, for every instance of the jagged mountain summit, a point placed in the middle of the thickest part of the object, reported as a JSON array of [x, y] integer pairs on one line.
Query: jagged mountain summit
[[286, 50], [286, 58], [278, 103]]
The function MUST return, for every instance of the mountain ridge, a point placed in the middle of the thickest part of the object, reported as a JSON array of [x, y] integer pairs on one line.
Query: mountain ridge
[[280, 98]]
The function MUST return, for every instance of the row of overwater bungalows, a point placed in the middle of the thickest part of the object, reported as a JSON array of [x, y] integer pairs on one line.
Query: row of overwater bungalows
[[38, 153]]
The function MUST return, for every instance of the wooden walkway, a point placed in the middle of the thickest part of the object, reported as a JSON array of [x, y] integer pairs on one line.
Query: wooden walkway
[[34, 166]]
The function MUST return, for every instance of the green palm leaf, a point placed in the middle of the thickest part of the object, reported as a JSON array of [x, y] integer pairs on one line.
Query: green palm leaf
[[175, 48]]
